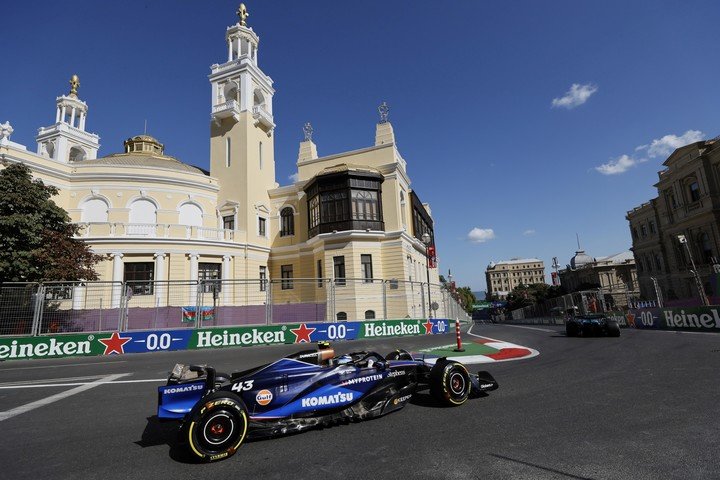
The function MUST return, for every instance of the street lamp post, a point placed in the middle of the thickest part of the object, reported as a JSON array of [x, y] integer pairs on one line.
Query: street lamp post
[[427, 240], [683, 240]]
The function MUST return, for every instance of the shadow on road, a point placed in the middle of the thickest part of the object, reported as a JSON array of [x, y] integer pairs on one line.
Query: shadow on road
[[158, 433]]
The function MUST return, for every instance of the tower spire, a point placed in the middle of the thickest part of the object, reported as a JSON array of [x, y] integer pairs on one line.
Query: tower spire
[[242, 14], [74, 85]]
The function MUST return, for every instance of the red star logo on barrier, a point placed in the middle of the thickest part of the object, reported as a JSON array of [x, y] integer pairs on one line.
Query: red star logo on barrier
[[630, 319], [114, 344], [302, 333], [428, 327]]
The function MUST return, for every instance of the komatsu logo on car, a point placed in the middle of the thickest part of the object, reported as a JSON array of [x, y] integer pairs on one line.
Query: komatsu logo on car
[[186, 388], [327, 400], [367, 378]]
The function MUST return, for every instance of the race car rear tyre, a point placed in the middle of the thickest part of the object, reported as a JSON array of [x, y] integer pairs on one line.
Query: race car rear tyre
[[450, 382], [399, 354], [217, 427], [571, 330], [613, 330]]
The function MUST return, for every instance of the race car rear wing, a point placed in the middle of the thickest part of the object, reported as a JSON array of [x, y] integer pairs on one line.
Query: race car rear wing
[[186, 385]]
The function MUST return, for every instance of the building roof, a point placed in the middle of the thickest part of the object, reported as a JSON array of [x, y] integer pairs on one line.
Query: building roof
[[142, 160], [514, 261], [348, 167], [580, 259], [618, 258]]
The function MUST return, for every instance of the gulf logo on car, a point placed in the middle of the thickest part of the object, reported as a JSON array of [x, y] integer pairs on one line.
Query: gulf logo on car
[[264, 397]]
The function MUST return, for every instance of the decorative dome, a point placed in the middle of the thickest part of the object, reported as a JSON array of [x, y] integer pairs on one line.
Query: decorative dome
[[580, 260], [145, 144]]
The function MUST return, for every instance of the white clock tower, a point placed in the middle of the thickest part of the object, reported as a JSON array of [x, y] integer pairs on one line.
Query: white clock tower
[[241, 133]]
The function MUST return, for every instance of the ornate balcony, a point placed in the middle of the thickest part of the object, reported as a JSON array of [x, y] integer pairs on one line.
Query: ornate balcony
[[229, 109], [263, 117], [97, 230]]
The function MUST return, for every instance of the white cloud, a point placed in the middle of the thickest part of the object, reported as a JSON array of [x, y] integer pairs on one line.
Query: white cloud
[[664, 146], [480, 235], [659, 147], [529, 232], [293, 178], [619, 165], [576, 96]]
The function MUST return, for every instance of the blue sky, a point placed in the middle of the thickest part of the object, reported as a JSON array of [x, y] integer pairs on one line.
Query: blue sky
[[471, 87]]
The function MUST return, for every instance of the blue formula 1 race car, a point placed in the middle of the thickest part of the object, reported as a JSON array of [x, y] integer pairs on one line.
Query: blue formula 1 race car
[[309, 388], [591, 325]]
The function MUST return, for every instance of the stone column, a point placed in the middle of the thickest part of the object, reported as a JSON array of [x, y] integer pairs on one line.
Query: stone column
[[62, 115], [161, 287], [117, 278], [82, 120], [57, 115], [72, 117], [225, 277], [193, 278], [230, 43]]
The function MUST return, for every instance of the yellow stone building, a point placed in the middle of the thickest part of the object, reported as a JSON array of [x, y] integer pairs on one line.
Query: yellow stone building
[[351, 215]]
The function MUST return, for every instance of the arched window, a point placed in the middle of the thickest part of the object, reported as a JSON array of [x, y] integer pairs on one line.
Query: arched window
[[369, 314], [143, 218], [287, 222], [77, 154], [94, 210], [341, 316], [693, 188], [191, 215]]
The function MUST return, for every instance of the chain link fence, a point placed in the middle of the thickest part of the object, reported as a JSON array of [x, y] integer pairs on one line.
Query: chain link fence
[[578, 303], [66, 307]]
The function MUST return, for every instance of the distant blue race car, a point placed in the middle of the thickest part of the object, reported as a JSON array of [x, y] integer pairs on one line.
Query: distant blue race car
[[591, 325], [306, 389]]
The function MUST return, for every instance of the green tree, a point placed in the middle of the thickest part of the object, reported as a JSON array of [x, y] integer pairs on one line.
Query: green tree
[[467, 298], [36, 237]]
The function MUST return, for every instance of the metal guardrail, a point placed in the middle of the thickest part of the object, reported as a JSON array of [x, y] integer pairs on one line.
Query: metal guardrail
[[67, 307]]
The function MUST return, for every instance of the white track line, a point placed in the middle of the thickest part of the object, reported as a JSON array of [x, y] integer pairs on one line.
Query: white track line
[[61, 365], [531, 328], [58, 396], [102, 381]]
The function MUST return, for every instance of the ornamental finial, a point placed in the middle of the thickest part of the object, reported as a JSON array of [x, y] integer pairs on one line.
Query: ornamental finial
[[384, 112], [74, 85], [308, 131], [242, 14]]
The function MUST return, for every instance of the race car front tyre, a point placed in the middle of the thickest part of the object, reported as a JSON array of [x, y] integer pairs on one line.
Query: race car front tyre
[[571, 330], [217, 427], [450, 382]]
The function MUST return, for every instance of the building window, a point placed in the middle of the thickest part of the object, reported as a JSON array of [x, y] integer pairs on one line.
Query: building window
[[263, 278], [139, 276], [367, 270], [643, 232], [319, 274], [369, 314], [227, 152], [652, 226], [694, 190], [365, 205], [706, 246], [209, 276], [261, 226], [229, 222], [341, 316], [658, 265], [286, 272], [339, 270], [314, 211], [287, 222], [634, 233]]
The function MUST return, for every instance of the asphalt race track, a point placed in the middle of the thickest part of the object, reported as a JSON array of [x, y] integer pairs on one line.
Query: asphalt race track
[[642, 406]]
